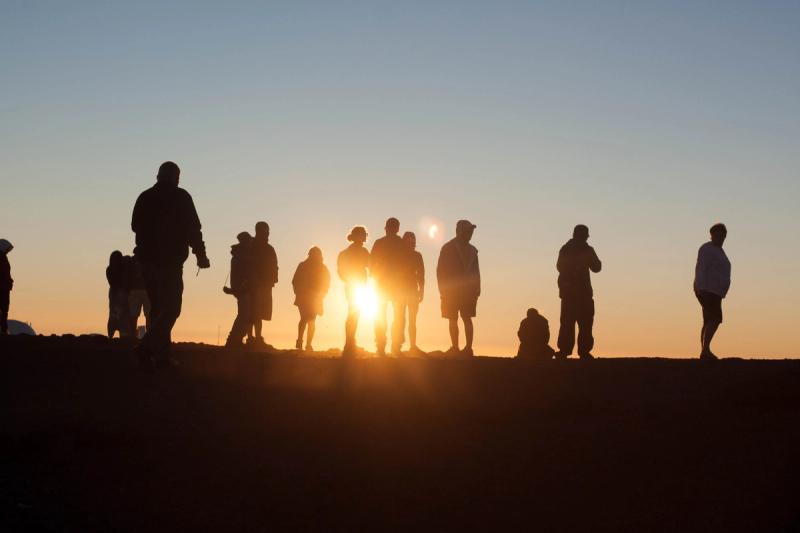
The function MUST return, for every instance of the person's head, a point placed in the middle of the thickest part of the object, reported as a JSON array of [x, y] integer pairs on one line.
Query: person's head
[[358, 235], [464, 230], [718, 233], [262, 229], [580, 233], [532, 313], [410, 239], [115, 258], [315, 254], [392, 226], [169, 173], [5, 246], [244, 238]]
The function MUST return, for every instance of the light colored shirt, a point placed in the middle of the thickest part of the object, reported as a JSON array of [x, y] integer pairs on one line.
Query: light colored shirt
[[713, 270]]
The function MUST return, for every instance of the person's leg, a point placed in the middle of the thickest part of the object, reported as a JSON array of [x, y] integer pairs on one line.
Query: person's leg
[[585, 316], [566, 330], [413, 309], [380, 324], [453, 328], [709, 330], [301, 330], [312, 326], [5, 300], [469, 333], [170, 297], [398, 324], [257, 328]]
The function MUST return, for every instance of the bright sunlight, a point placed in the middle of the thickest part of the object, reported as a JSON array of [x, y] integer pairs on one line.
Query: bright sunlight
[[367, 300]]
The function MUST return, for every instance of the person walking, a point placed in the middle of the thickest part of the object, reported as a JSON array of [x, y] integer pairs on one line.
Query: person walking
[[413, 287], [166, 225], [118, 319], [310, 283], [264, 276], [241, 263], [712, 280], [384, 266], [575, 260], [352, 265], [6, 284], [459, 278]]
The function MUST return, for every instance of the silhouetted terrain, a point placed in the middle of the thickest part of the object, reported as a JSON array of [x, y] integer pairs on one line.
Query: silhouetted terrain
[[257, 442]]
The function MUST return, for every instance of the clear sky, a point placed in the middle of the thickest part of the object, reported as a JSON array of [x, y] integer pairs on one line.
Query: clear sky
[[647, 121]]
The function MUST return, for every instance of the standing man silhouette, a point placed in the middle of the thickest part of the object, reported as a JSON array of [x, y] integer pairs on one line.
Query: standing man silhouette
[[6, 284], [575, 260], [352, 265], [166, 225], [459, 277], [263, 278], [712, 279], [385, 266]]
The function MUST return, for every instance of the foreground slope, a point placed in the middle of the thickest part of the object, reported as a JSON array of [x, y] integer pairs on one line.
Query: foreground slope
[[250, 442]]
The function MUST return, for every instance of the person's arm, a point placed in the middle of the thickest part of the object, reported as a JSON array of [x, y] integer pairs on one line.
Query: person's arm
[[340, 267], [546, 332], [478, 275], [561, 261], [441, 271], [701, 270], [420, 276], [326, 280], [594, 261], [296, 277], [193, 231], [273, 257]]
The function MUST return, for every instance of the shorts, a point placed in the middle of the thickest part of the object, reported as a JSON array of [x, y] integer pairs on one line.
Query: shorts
[[464, 306], [712, 306]]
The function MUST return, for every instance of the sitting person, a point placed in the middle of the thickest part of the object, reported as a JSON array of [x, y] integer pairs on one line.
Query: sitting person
[[534, 337]]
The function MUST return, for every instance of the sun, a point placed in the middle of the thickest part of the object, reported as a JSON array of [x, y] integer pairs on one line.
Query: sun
[[367, 300], [433, 231]]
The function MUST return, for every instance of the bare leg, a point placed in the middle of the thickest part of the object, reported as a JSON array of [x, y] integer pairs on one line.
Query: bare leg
[[468, 332], [301, 328], [708, 333], [312, 326], [257, 326], [453, 327], [412, 325]]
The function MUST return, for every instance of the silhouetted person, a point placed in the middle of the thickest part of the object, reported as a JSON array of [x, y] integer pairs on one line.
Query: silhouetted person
[[413, 286], [385, 268], [264, 276], [459, 280], [352, 265], [6, 284], [166, 225], [311, 282], [534, 337], [241, 269], [138, 302], [712, 279], [575, 260], [118, 319]]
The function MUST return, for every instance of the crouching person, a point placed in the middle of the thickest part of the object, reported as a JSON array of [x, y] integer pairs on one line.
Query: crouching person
[[240, 288], [534, 337]]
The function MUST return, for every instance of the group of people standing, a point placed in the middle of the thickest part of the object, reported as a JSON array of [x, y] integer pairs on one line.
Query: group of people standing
[[167, 226]]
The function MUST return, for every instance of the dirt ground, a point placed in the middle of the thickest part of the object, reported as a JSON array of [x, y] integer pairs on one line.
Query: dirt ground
[[236, 441]]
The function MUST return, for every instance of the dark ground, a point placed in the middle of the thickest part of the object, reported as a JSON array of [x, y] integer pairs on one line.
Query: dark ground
[[255, 442]]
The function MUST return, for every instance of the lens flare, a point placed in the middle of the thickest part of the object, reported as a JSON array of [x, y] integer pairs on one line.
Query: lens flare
[[433, 231], [367, 300]]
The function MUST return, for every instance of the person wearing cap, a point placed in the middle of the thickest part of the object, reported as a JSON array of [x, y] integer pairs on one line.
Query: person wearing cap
[[385, 262], [166, 225], [575, 260], [459, 278], [352, 265], [264, 276], [6, 284], [311, 282], [240, 289], [534, 337], [712, 279]]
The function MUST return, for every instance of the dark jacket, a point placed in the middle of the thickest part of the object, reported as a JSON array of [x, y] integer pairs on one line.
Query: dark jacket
[[134, 280], [115, 274], [264, 264], [385, 260], [311, 282], [413, 272], [240, 269], [534, 331], [166, 224], [352, 264], [575, 260], [6, 283], [458, 271]]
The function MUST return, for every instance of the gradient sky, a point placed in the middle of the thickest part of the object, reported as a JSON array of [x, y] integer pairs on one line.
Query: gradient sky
[[647, 121]]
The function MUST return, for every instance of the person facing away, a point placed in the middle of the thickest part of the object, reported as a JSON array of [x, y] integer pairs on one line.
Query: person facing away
[[241, 262], [575, 260], [166, 225], [384, 266], [311, 282], [534, 337], [459, 278], [6, 284], [264, 276], [712, 279], [352, 265], [138, 302], [118, 319], [413, 287]]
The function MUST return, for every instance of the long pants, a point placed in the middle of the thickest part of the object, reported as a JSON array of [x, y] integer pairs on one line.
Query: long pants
[[578, 311], [242, 323], [5, 300], [398, 323], [164, 285], [138, 303]]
